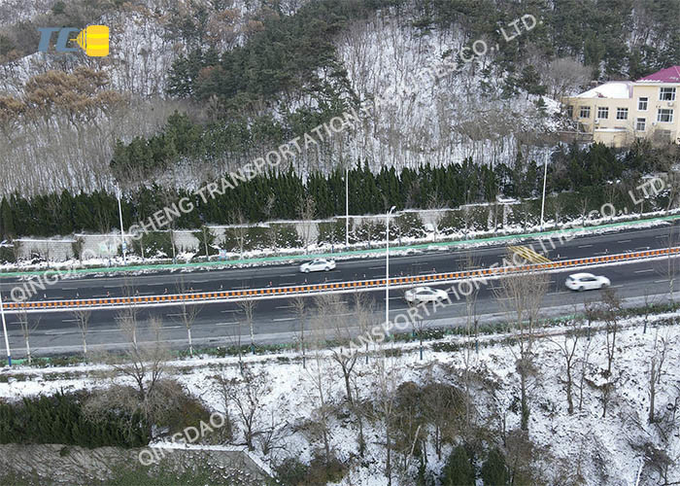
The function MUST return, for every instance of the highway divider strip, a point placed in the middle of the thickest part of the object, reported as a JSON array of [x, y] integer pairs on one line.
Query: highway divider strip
[[307, 289]]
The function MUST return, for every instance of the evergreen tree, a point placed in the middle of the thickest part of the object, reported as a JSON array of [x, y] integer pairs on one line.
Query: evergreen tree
[[459, 470], [6, 220], [494, 471]]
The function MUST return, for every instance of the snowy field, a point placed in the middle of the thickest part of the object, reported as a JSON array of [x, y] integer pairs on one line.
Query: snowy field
[[614, 450]]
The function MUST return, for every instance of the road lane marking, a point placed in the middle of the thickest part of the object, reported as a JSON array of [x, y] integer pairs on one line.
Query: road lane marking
[[528, 254], [284, 319], [585, 246], [625, 241], [644, 270]]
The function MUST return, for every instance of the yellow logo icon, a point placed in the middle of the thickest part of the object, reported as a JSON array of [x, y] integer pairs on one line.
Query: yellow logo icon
[[94, 40]]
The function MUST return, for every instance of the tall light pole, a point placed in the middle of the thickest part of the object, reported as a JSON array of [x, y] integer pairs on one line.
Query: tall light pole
[[346, 206], [4, 330], [122, 230], [387, 268], [545, 177]]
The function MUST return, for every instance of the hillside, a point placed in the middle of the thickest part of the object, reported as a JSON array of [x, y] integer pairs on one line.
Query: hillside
[[486, 110]]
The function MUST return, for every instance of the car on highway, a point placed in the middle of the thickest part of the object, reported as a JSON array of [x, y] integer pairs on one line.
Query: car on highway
[[425, 294], [318, 265], [586, 281]]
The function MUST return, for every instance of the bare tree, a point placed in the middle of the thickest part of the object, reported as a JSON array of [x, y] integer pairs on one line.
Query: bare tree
[[345, 356], [322, 384], [300, 306], [418, 323], [611, 307], [223, 386], [565, 75], [584, 362], [188, 312], [240, 230], [521, 295], [384, 407], [649, 302], [143, 362], [567, 346], [364, 309], [28, 324], [655, 369], [247, 308], [307, 212], [246, 394], [83, 321]]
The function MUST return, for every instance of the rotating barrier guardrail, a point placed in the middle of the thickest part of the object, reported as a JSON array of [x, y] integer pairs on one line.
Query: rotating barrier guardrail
[[310, 289]]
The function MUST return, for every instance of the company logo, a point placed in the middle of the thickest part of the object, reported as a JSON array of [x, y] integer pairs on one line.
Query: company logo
[[93, 39]]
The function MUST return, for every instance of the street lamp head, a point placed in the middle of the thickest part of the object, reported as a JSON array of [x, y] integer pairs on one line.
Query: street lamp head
[[393, 208]]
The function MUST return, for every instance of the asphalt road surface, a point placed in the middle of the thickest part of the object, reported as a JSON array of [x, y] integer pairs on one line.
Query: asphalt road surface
[[275, 320]]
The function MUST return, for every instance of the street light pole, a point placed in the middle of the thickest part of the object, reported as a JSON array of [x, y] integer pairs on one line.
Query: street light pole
[[346, 206], [4, 330], [545, 174], [122, 230], [387, 269]]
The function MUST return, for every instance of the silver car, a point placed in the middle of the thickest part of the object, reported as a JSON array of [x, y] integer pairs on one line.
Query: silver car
[[586, 281], [425, 294], [318, 265]]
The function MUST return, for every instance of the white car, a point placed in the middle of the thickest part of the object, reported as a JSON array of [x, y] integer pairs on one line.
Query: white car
[[586, 281], [425, 294], [318, 265]]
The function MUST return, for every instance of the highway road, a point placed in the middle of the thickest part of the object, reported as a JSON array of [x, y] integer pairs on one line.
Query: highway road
[[275, 321]]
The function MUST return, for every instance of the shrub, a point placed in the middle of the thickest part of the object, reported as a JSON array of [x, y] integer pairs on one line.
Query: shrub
[[154, 244], [409, 225], [292, 472], [332, 232], [287, 236], [206, 238], [60, 419], [7, 255]]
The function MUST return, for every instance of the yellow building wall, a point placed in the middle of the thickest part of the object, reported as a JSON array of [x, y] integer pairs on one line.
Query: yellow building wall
[[613, 131], [651, 92]]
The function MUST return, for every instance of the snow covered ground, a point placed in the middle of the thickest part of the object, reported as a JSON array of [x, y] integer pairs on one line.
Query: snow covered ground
[[612, 450]]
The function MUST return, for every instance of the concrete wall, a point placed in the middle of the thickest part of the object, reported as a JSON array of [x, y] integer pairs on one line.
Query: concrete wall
[[68, 465], [106, 246]]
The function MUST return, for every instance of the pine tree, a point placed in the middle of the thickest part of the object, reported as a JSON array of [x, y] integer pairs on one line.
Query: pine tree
[[494, 471], [6, 220], [458, 470]]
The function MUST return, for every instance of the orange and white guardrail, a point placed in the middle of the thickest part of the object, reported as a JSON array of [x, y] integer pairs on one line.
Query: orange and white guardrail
[[307, 289]]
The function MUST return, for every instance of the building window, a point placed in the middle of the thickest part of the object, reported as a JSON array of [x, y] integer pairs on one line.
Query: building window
[[666, 94], [642, 104], [664, 116], [570, 111], [603, 112], [622, 113], [641, 124], [584, 112]]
